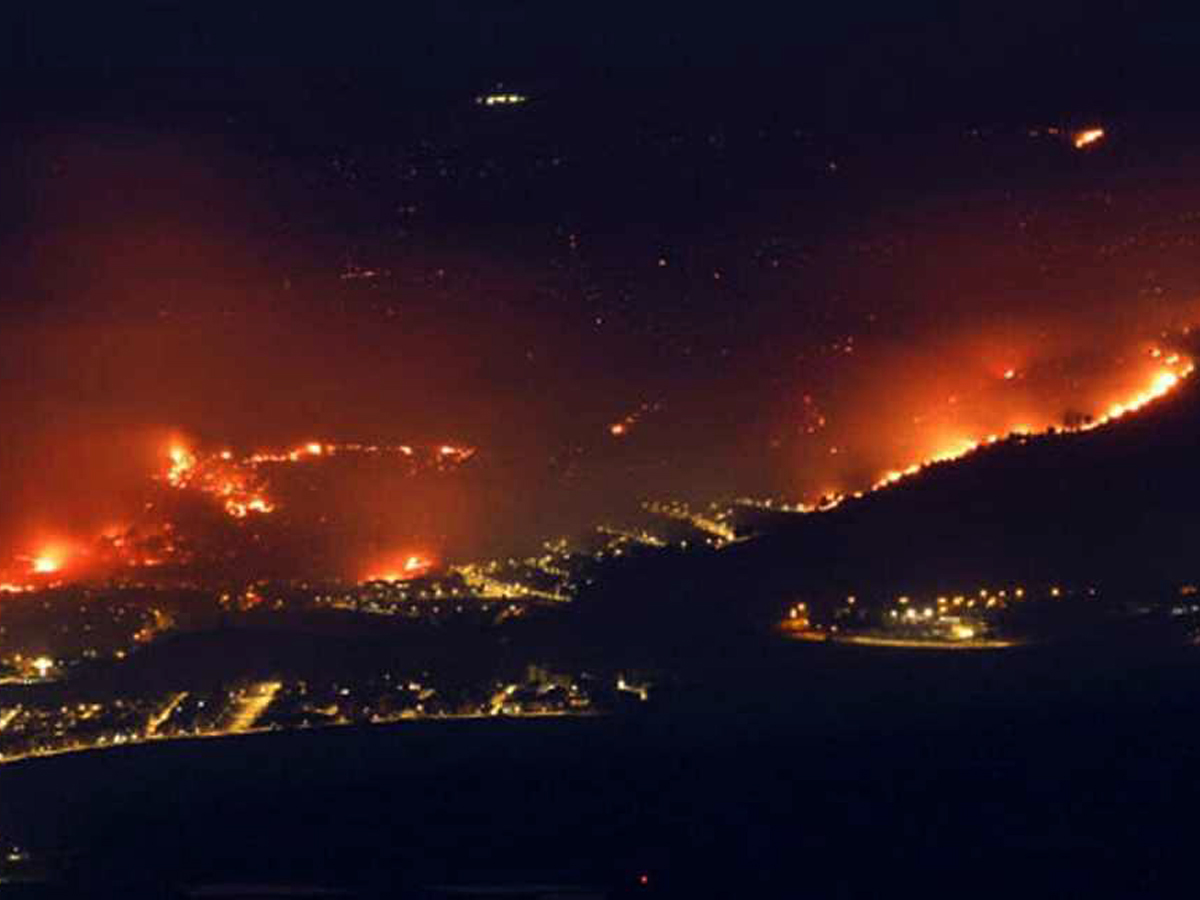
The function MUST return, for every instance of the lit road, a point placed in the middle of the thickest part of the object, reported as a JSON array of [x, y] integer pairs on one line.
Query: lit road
[[865, 640], [226, 733], [253, 705], [163, 714]]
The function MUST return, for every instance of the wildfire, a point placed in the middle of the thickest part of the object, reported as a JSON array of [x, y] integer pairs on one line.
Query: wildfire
[[46, 564], [1161, 383], [239, 509], [241, 485], [47, 560], [1086, 137], [448, 452], [412, 565], [182, 465]]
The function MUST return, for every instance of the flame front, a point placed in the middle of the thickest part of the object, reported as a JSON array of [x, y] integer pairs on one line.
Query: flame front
[[1161, 383], [241, 485]]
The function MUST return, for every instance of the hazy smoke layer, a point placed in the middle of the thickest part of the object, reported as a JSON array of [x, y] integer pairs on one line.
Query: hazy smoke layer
[[808, 319]]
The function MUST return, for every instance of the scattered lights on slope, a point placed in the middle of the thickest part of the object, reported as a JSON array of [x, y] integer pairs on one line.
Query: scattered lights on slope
[[719, 531]]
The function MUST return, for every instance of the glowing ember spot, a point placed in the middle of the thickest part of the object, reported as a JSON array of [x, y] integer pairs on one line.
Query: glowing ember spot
[[1010, 374], [314, 448], [618, 429], [1087, 137], [239, 509], [182, 465], [414, 565], [48, 561]]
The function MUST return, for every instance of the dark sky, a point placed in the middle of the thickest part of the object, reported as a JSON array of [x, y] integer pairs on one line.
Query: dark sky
[[943, 53]]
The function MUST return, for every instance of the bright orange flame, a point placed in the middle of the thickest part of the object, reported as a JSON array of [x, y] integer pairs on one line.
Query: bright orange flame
[[44, 565], [412, 565], [48, 560], [182, 464], [1162, 383], [240, 484], [617, 429], [1087, 136]]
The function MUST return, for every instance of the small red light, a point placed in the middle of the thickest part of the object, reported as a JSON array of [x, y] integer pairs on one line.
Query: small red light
[[643, 879]]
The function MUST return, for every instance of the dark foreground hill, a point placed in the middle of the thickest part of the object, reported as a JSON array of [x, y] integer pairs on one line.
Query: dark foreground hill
[[842, 773]]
